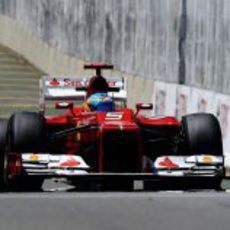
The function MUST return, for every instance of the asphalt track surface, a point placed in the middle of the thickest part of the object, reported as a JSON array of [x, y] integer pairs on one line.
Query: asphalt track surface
[[114, 210]]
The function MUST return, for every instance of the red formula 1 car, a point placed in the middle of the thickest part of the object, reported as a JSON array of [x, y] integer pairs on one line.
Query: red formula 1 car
[[117, 148]]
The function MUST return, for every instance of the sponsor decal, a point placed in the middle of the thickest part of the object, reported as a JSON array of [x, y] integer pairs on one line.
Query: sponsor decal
[[114, 115], [54, 82], [71, 162], [65, 83], [207, 159], [167, 163], [34, 157]]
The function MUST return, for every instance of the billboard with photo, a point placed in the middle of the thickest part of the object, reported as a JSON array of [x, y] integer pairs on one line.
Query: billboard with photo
[[164, 99], [177, 100]]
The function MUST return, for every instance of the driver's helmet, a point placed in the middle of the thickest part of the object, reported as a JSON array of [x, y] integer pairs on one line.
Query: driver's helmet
[[99, 102], [97, 84]]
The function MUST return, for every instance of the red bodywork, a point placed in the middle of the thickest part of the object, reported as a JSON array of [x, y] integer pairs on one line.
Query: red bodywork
[[115, 141], [117, 138]]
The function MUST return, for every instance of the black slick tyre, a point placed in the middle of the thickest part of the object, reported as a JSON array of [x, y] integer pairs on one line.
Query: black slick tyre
[[202, 134], [27, 132], [3, 160]]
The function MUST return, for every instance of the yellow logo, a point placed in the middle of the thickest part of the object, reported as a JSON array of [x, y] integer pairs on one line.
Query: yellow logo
[[207, 159], [34, 157]]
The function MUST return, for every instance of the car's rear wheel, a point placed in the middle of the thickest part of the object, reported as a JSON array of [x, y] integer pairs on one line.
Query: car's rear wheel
[[26, 132], [201, 134]]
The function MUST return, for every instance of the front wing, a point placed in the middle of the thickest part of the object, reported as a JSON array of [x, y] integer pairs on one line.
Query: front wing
[[164, 166]]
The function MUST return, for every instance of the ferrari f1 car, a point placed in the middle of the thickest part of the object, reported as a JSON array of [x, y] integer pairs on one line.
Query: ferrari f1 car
[[118, 148]]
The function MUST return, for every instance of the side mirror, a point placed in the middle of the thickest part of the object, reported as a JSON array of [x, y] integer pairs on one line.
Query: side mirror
[[64, 105], [143, 106]]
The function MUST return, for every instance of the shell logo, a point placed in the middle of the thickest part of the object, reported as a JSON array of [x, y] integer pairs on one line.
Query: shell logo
[[207, 159], [34, 157]]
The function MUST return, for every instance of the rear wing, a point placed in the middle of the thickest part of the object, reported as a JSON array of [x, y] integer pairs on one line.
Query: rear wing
[[72, 88]]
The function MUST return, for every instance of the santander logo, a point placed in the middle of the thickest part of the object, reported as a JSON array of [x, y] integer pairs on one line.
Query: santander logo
[[71, 162], [54, 82], [167, 163]]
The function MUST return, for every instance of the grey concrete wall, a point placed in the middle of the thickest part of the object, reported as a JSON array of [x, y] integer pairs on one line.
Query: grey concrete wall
[[182, 41], [208, 44], [53, 62], [138, 36]]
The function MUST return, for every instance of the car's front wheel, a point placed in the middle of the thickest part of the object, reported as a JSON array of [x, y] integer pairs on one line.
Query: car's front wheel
[[3, 156], [201, 135], [26, 132]]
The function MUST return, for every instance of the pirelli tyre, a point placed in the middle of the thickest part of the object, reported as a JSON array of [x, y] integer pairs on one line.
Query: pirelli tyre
[[3, 134], [201, 134], [3, 131], [26, 132]]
